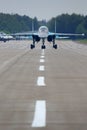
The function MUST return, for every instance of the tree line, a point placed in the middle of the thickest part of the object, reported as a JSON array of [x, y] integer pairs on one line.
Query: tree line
[[12, 23], [65, 23]]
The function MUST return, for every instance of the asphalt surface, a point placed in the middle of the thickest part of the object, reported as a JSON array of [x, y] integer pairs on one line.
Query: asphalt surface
[[43, 89]]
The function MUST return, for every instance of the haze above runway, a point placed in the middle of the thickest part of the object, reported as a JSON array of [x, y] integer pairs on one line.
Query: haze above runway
[[43, 89]]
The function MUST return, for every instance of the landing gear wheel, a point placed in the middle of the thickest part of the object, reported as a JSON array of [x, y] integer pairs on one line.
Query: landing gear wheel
[[55, 46], [43, 47], [32, 46]]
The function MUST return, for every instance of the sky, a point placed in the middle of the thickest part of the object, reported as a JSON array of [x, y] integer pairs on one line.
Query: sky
[[43, 9]]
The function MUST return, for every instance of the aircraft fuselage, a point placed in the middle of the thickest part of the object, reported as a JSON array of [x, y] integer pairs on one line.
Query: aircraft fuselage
[[43, 32]]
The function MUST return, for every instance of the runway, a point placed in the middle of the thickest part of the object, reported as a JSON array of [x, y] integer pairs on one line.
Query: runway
[[43, 89]]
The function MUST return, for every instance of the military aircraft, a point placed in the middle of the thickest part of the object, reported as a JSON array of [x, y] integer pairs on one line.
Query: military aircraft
[[5, 37], [43, 33]]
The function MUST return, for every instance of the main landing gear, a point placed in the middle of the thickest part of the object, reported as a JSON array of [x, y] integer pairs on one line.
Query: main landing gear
[[54, 45], [32, 46]]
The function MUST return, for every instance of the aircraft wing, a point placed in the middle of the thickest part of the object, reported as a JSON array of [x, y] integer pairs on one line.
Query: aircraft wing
[[66, 35], [24, 35], [57, 35]]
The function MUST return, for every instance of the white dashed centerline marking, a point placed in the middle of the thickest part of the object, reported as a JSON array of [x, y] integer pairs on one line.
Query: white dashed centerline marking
[[40, 114], [40, 81], [42, 60], [43, 52], [41, 68], [42, 56]]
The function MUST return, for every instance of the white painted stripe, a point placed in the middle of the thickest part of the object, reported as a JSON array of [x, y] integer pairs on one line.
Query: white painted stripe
[[42, 56], [43, 52], [40, 81], [42, 60], [40, 114], [41, 68]]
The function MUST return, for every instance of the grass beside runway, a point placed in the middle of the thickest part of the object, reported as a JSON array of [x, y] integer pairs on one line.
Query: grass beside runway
[[83, 41]]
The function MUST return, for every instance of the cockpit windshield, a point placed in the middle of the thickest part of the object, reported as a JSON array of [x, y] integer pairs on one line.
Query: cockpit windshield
[[43, 29]]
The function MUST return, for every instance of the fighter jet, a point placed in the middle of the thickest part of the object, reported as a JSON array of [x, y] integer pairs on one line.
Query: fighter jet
[[5, 37], [43, 33]]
